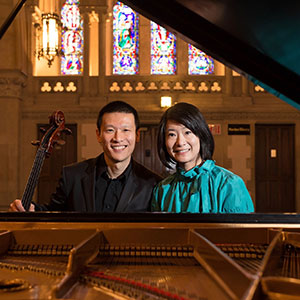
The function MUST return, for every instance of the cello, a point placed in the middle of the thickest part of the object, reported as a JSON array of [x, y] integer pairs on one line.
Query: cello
[[45, 147]]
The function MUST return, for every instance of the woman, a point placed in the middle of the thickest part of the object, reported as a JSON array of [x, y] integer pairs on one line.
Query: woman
[[198, 185]]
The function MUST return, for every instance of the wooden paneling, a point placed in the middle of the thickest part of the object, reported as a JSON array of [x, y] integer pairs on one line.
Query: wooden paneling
[[61, 155], [146, 150], [274, 168]]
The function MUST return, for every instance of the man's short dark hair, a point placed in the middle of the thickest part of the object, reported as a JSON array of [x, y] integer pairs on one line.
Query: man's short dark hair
[[191, 117], [118, 106]]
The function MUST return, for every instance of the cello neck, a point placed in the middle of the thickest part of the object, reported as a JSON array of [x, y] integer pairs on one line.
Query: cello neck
[[33, 178]]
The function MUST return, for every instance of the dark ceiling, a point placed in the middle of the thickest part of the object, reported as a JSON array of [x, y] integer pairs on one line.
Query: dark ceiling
[[258, 39]]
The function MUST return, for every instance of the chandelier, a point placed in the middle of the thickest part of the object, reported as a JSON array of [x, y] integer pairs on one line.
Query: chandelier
[[48, 37]]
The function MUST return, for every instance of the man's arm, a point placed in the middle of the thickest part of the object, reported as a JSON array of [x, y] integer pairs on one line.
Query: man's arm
[[58, 200]]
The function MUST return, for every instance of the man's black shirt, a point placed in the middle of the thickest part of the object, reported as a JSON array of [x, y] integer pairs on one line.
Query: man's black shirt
[[108, 191]]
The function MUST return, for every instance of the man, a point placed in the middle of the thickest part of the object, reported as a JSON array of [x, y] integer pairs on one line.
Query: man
[[111, 182]]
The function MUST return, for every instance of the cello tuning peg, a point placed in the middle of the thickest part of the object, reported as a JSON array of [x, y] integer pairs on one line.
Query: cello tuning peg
[[67, 131], [35, 143], [42, 130]]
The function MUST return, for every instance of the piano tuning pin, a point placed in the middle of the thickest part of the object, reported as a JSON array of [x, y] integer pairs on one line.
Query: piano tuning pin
[[35, 143]]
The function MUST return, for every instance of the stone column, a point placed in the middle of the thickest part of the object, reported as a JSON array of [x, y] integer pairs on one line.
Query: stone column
[[182, 57], [11, 84], [30, 42], [245, 86], [86, 41], [145, 46], [105, 50], [228, 81]]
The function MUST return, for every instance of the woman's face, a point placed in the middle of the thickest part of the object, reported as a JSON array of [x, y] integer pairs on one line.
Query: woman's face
[[182, 145]]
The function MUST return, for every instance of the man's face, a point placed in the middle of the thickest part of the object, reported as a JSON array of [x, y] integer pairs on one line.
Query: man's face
[[118, 136]]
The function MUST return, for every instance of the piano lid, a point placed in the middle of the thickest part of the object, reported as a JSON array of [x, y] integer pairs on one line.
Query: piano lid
[[258, 39]]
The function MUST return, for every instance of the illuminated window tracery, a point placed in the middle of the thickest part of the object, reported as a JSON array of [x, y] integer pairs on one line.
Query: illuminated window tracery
[[163, 50], [199, 62], [72, 38], [126, 40]]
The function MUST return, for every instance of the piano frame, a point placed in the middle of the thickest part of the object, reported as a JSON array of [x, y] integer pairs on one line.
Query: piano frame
[[207, 233]]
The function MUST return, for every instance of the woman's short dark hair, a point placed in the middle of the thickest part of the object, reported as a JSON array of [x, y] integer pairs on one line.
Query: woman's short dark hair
[[118, 106], [191, 117]]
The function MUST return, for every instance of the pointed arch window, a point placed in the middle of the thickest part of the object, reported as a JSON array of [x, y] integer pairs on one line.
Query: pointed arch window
[[199, 62], [125, 40], [163, 50], [72, 38]]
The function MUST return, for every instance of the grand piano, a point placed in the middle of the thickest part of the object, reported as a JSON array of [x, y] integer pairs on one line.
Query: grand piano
[[173, 256]]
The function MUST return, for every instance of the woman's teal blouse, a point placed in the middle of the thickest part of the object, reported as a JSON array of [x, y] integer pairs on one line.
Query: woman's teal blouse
[[205, 189]]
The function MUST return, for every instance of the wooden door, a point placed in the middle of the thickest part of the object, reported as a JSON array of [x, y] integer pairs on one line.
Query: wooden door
[[61, 155], [146, 151], [274, 168]]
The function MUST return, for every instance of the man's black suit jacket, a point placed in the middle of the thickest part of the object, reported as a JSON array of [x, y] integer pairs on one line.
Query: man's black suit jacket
[[76, 189]]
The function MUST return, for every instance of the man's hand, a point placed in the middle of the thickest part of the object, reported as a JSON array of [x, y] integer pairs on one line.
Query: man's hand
[[17, 206]]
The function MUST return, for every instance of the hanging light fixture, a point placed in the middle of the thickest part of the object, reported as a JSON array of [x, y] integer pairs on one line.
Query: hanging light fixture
[[49, 37]]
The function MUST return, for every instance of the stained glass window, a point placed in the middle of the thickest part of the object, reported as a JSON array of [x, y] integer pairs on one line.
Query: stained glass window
[[126, 40], [72, 38], [163, 50], [199, 62]]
